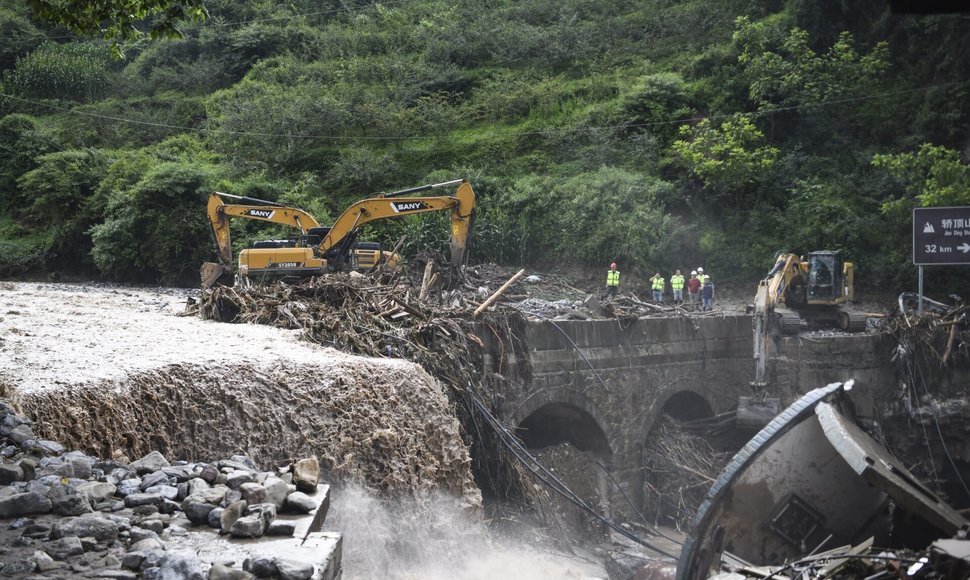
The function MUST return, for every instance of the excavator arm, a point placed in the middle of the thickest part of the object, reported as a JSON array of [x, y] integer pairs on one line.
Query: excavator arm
[[770, 291], [336, 244], [219, 214]]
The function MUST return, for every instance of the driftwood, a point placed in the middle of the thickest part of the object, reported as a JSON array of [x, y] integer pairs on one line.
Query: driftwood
[[495, 295]]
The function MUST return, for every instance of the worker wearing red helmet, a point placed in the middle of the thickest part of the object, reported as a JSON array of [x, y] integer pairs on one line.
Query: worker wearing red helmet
[[612, 280]]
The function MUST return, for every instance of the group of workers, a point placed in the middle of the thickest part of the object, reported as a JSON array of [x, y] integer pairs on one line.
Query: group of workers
[[700, 286]]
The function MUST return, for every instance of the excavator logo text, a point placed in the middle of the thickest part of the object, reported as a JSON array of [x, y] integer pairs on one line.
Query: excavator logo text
[[260, 213], [401, 206]]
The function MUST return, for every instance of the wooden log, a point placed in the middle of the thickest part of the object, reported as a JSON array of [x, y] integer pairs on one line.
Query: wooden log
[[495, 295], [426, 280]]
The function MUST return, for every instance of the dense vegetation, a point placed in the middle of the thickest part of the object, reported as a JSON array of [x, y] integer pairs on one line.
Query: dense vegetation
[[659, 134]]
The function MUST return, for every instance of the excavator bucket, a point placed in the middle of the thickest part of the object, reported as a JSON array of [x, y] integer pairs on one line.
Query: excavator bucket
[[215, 275]]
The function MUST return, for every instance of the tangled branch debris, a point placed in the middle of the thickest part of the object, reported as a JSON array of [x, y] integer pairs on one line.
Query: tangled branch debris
[[926, 344], [354, 314], [680, 468]]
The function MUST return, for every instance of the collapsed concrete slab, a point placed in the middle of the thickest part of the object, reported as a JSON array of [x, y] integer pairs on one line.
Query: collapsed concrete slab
[[809, 481]]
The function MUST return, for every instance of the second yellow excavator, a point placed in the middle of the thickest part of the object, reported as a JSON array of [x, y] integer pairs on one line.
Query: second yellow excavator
[[326, 249], [816, 290]]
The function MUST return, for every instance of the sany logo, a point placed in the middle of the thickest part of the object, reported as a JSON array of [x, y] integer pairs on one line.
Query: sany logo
[[260, 213], [400, 206]]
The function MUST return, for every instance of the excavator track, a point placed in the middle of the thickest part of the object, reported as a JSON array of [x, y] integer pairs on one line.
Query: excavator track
[[791, 324], [852, 322]]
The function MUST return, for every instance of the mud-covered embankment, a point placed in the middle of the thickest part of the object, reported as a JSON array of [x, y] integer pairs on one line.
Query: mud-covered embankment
[[384, 425]]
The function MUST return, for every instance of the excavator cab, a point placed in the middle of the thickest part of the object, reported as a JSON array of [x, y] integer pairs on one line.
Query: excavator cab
[[829, 279]]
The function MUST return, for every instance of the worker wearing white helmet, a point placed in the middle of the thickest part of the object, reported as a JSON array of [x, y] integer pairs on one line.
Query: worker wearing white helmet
[[701, 276], [693, 288]]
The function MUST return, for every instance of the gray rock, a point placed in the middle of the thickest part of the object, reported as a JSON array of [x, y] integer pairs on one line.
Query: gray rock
[[166, 491], [223, 572], [119, 474], [169, 507], [47, 446], [236, 465], [154, 525], [20, 523], [20, 433], [139, 533], [117, 574], [44, 563], [152, 462], [10, 473], [180, 473], [145, 510], [232, 496], [182, 565], [197, 511], [23, 504], [97, 491], [19, 568], [281, 528], [251, 526], [292, 570], [66, 500], [260, 567], [197, 485], [29, 466], [238, 477], [215, 518], [89, 543], [253, 493], [267, 511], [64, 547], [231, 513], [145, 545], [82, 466], [141, 499], [129, 486], [209, 473], [299, 502], [37, 531], [306, 474], [156, 478], [101, 527], [277, 490]]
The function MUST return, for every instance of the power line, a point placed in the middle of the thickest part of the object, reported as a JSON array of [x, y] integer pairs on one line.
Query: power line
[[488, 134]]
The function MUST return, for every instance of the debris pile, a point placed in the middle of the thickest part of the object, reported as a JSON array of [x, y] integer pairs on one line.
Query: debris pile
[[680, 468], [946, 559], [77, 515], [355, 314], [929, 342]]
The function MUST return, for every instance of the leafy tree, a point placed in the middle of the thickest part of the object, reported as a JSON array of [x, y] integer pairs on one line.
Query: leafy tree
[[117, 20], [726, 156], [22, 143], [19, 35], [60, 190], [933, 176], [792, 73], [156, 230]]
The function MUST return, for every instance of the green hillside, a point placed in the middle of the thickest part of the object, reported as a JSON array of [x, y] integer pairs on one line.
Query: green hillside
[[655, 133]]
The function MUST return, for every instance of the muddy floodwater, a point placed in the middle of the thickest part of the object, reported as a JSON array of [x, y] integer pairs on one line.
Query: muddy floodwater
[[115, 371]]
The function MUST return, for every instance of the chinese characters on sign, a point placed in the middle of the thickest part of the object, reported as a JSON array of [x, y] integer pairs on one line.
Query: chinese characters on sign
[[941, 235]]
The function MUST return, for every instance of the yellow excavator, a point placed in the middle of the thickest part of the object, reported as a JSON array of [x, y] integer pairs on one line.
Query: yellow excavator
[[816, 290], [327, 249]]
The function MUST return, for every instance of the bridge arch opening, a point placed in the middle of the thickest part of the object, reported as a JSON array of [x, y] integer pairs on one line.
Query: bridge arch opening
[[557, 423], [687, 406]]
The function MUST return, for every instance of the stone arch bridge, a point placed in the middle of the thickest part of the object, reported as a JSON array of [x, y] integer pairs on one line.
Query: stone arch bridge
[[602, 385]]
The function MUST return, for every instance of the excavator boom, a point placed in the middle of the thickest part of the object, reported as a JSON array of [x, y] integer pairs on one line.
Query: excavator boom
[[330, 248]]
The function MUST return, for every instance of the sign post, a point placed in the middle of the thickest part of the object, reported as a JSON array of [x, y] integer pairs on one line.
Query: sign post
[[941, 236]]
